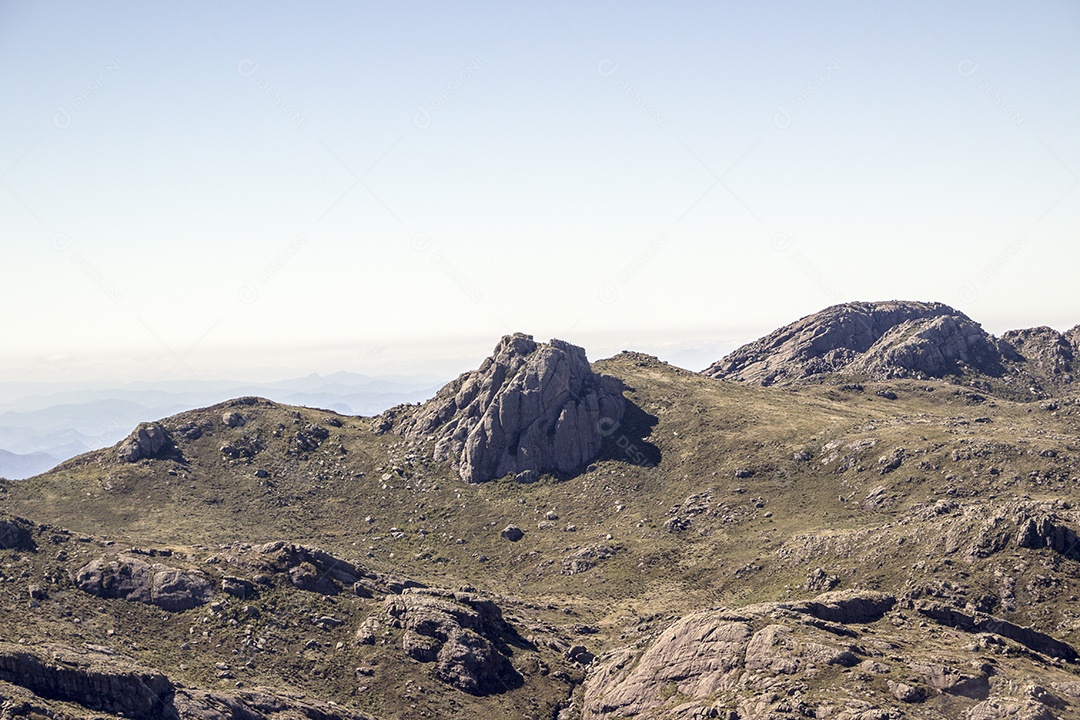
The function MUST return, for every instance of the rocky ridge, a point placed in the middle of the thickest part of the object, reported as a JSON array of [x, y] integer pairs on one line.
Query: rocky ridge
[[896, 339]]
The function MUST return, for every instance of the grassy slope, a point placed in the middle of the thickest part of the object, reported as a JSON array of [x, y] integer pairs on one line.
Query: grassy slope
[[756, 538]]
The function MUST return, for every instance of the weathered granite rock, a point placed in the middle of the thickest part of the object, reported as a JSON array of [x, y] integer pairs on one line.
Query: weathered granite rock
[[1043, 349], [130, 578], [308, 568], [530, 408], [848, 606], [1073, 336], [930, 347], [15, 533], [147, 440], [461, 631], [896, 339], [86, 678], [978, 622], [104, 681], [881, 340]]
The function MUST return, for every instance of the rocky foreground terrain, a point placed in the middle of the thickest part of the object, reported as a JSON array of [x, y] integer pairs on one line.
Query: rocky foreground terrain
[[867, 514]]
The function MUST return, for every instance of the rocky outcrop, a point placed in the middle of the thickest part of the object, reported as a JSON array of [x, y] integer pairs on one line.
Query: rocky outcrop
[[1026, 524], [881, 339], [86, 678], [530, 408], [930, 347], [848, 606], [130, 578], [146, 441], [1046, 358], [16, 533], [887, 340], [462, 632], [1028, 637], [757, 661], [310, 569], [711, 655], [1043, 348], [103, 681]]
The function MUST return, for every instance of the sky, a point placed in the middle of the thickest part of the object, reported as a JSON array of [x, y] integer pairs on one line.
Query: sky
[[200, 190]]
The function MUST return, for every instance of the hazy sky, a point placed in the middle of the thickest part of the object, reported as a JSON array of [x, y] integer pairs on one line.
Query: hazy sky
[[204, 189]]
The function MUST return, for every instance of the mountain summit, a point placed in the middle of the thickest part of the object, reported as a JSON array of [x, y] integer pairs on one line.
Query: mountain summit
[[903, 339], [530, 408]]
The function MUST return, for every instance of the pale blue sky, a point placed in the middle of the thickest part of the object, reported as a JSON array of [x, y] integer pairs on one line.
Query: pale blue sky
[[196, 189]]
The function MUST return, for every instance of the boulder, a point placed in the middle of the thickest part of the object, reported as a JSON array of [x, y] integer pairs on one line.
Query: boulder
[[530, 408], [16, 533], [146, 441], [130, 578], [461, 631], [233, 419], [906, 693], [512, 533]]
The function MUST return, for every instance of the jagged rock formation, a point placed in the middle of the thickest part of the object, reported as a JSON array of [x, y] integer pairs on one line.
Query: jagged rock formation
[[130, 578], [148, 440], [1046, 357], [759, 660], [460, 631], [530, 408], [15, 533], [882, 339], [895, 339]]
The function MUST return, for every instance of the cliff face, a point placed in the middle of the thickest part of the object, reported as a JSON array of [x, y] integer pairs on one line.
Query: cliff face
[[530, 408]]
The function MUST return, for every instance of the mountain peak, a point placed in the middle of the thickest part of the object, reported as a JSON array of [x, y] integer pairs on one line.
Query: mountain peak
[[529, 408], [887, 338]]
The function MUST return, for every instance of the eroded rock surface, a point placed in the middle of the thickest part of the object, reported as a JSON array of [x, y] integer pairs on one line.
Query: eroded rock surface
[[530, 408], [758, 660], [104, 681], [898, 339], [462, 632], [147, 440], [887, 339], [130, 578], [15, 533]]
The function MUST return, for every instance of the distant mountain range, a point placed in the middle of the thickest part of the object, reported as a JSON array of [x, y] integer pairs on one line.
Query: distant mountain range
[[42, 425]]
